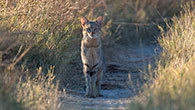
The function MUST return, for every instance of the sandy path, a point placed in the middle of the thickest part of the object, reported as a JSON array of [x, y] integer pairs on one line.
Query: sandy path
[[124, 63]]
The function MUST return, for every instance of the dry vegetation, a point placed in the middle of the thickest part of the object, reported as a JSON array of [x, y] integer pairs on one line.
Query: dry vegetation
[[173, 88], [38, 92], [39, 33]]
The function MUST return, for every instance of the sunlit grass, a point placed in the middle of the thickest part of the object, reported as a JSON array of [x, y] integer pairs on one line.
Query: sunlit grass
[[174, 85], [38, 92], [50, 30]]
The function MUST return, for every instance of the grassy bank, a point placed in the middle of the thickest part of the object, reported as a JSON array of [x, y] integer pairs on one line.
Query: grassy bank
[[174, 85]]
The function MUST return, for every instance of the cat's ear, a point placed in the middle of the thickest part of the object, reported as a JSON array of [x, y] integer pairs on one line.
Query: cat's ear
[[99, 20], [83, 21]]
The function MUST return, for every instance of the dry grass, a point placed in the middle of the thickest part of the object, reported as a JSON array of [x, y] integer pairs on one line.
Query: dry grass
[[39, 92], [53, 27], [173, 88], [48, 32], [29, 91]]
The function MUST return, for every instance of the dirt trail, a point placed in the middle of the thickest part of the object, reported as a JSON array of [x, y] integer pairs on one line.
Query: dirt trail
[[125, 64]]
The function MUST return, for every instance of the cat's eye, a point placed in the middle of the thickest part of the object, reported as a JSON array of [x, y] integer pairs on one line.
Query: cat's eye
[[89, 30]]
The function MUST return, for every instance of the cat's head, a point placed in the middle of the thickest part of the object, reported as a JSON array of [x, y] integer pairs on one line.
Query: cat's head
[[91, 28]]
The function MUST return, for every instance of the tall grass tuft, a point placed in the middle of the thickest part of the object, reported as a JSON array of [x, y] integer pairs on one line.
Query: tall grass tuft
[[38, 92], [174, 85]]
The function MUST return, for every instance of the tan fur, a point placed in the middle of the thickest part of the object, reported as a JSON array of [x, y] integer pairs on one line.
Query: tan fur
[[92, 56]]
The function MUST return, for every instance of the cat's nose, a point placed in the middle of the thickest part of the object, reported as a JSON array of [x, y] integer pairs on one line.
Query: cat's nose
[[91, 73]]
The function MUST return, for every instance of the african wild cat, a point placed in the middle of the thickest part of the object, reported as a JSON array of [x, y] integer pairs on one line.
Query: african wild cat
[[92, 56]]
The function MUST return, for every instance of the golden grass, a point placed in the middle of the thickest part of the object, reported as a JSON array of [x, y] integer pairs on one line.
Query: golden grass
[[39, 92], [53, 27], [174, 85], [52, 31], [29, 91]]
